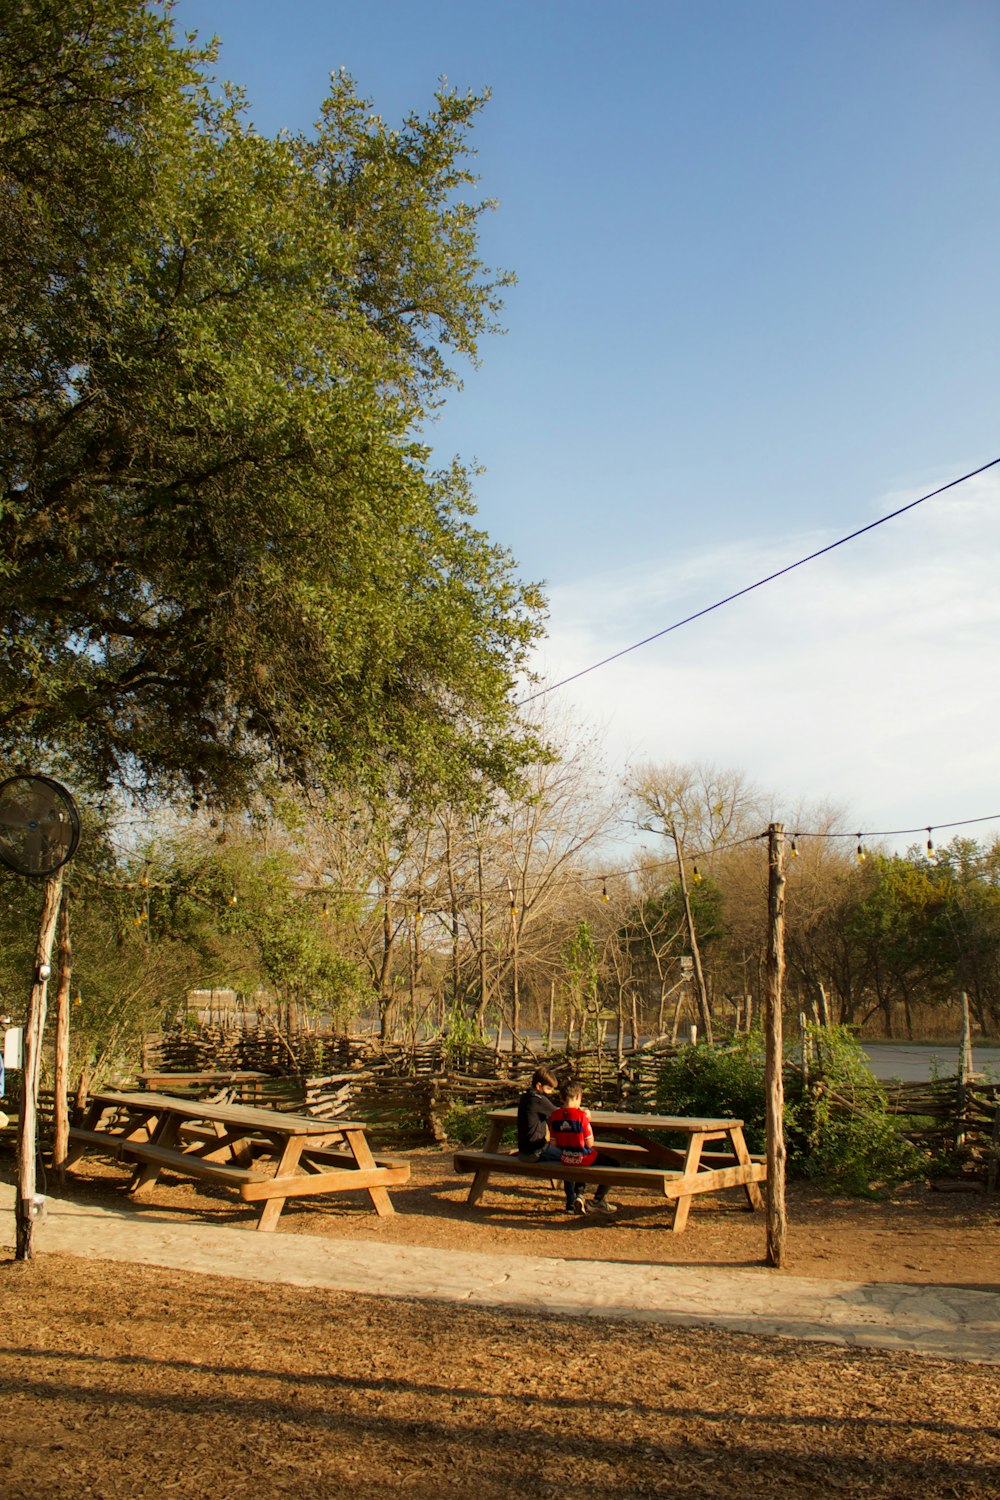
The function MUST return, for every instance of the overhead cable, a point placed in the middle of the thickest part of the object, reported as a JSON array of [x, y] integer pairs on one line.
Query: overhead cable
[[750, 587]]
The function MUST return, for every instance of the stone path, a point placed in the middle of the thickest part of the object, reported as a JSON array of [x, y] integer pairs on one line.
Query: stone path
[[948, 1322]]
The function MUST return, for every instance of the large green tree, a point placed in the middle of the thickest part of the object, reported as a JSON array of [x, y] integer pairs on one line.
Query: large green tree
[[224, 555]]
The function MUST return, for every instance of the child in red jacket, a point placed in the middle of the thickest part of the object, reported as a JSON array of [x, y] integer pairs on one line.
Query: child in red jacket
[[570, 1129]]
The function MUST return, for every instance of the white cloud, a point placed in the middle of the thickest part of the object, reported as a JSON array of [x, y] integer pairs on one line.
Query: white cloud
[[868, 677]]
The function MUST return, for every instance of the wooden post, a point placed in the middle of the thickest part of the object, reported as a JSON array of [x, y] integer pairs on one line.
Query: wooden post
[[964, 1071], [824, 1007], [27, 1127], [552, 1014], [804, 1044], [60, 1133], [993, 1167], [748, 1015], [635, 1021], [775, 973]]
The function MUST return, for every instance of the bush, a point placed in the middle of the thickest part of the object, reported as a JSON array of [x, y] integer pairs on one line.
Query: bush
[[839, 1131], [467, 1124], [718, 1082]]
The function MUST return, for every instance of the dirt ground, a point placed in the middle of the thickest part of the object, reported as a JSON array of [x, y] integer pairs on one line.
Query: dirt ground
[[124, 1382], [913, 1235]]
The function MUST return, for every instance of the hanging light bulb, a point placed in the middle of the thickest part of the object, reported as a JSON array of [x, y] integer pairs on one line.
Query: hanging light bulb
[[419, 916], [696, 875], [795, 852], [930, 843], [861, 852], [326, 910], [233, 899], [604, 891]]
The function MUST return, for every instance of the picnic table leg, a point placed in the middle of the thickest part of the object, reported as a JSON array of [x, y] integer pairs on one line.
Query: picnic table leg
[[754, 1196], [165, 1134], [362, 1153], [478, 1187], [691, 1163], [492, 1143], [90, 1122], [288, 1161]]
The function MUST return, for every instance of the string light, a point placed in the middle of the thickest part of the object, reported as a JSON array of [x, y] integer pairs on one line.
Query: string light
[[697, 876], [861, 852], [795, 852], [233, 899], [930, 843], [604, 891]]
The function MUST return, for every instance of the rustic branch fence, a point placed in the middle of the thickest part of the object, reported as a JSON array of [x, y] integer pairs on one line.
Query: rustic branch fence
[[404, 1092]]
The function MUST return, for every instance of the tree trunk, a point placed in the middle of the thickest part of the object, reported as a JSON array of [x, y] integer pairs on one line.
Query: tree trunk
[[701, 988], [27, 1128]]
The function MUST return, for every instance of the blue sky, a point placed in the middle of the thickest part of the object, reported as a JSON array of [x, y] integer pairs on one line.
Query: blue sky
[[756, 249]]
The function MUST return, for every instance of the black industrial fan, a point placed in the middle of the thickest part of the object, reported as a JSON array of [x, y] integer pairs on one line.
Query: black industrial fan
[[39, 825]]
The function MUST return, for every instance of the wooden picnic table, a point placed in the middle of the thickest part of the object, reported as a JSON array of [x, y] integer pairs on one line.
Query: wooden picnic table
[[268, 1156], [682, 1172], [212, 1078]]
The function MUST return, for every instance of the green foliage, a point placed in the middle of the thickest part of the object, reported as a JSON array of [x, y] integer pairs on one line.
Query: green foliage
[[840, 1132], [461, 1033], [718, 1081], [468, 1125], [659, 922], [225, 556]]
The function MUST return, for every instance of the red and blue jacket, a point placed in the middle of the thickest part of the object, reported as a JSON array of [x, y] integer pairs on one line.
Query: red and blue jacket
[[569, 1127]]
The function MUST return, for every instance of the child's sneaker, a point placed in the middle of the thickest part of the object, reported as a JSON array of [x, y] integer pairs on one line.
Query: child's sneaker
[[579, 1206]]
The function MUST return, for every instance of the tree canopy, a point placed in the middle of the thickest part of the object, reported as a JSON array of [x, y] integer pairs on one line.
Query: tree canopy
[[224, 555]]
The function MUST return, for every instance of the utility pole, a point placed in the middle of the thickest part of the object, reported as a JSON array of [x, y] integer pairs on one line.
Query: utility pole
[[775, 973]]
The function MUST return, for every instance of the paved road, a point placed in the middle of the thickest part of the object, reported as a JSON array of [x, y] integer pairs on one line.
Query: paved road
[[946, 1322], [899, 1060]]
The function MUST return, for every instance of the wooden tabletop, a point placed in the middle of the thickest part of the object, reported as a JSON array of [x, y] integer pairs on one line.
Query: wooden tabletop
[[616, 1117], [274, 1121], [209, 1075]]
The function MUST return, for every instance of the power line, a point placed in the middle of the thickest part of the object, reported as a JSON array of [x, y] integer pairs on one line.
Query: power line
[[750, 587], [885, 833]]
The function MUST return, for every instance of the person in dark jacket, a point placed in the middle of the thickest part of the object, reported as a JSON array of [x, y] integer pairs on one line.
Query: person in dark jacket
[[533, 1110]]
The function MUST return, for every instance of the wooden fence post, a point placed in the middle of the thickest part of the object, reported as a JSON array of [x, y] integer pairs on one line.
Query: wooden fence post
[[824, 1007], [993, 1168], [775, 973], [964, 1071]]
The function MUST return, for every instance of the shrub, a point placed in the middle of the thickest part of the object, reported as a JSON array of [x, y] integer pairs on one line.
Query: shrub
[[467, 1124], [718, 1082], [839, 1131]]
